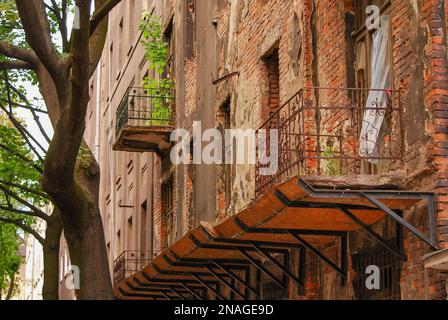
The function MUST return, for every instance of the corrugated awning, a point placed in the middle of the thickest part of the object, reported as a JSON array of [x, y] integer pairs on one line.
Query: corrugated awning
[[292, 216]]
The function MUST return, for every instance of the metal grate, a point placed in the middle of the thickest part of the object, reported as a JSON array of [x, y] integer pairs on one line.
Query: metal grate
[[269, 289], [390, 268], [326, 138], [143, 107], [131, 262]]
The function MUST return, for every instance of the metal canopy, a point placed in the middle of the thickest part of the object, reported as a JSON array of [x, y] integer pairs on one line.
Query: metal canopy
[[293, 219]]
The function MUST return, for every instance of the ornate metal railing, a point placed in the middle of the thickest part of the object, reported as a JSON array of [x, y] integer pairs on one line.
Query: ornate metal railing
[[142, 107], [131, 262], [333, 132]]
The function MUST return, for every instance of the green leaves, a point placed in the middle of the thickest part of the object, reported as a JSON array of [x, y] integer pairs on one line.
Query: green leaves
[[160, 87], [155, 47], [9, 255]]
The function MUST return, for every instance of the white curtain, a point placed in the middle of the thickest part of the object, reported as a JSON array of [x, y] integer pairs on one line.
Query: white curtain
[[373, 118]]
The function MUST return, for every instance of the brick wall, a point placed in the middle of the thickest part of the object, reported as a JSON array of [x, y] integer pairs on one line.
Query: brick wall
[[312, 51], [436, 100]]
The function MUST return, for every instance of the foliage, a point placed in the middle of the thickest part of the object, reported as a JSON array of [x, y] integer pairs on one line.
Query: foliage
[[9, 257], [159, 87], [18, 171], [61, 63], [333, 165]]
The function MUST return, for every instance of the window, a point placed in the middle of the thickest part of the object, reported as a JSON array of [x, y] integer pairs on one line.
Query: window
[[364, 41], [143, 231], [224, 120], [130, 235], [167, 210], [191, 28], [118, 244], [169, 73], [112, 66], [372, 71], [390, 269], [108, 250], [270, 290], [132, 24], [120, 45], [272, 80]]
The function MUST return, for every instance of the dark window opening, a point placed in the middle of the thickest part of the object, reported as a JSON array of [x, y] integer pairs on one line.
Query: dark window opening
[[191, 29], [390, 269], [130, 234], [224, 117], [270, 290], [365, 73], [271, 61], [118, 244], [143, 227], [167, 210], [169, 38]]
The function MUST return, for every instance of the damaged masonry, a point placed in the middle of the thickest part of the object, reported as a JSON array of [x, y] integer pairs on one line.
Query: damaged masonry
[[360, 151]]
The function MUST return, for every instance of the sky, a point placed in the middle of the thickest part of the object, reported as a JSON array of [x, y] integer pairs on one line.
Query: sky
[[32, 92]]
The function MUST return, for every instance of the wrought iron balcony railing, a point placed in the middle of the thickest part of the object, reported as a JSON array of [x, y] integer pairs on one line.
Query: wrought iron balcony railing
[[145, 120], [334, 132], [131, 262], [142, 107]]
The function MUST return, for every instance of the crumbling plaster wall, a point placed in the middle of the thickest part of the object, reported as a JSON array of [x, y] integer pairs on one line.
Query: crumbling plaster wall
[[319, 59], [248, 30]]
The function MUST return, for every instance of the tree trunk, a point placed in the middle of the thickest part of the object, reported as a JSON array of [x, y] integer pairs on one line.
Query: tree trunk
[[11, 287], [51, 248], [83, 229], [87, 249]]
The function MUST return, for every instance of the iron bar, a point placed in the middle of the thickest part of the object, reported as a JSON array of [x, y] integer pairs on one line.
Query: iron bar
[[369, 230], [235, 277], [205, 284], [224, 282], [318, 253], [400, 220], [194, 293], [284, 270], [261, 268]]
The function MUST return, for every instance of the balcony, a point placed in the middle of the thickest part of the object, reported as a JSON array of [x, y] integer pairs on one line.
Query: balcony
[[331, 136], [131, 262], [332, 133], [145, 120]]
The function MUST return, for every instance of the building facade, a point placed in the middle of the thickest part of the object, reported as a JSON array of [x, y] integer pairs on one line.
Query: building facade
[[32, 268], [358, 102]]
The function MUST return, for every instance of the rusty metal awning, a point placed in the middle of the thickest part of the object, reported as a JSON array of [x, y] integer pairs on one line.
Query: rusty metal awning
[[293, 216]]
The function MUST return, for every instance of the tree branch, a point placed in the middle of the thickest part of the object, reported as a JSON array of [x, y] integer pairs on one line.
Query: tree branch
[[61, 156], [35, 117], [16, 65], [14, 210], [14, 185], [12, 51], [38, 213], [24, 133], [61, 19], [19, 223], [104, 7], [18, 105], [21, 157], [98, 31], [37, 30]]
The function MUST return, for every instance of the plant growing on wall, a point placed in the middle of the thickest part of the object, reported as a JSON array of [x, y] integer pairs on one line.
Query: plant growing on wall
[[156, 84], [333, 165]]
